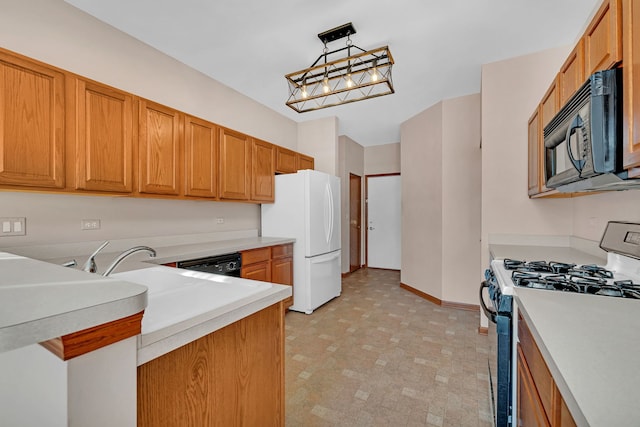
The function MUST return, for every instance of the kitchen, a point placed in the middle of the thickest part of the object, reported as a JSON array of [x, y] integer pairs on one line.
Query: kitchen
[[504, 211]]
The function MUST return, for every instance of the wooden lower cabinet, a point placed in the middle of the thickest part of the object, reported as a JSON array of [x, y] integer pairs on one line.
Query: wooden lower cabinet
[[539, 400], [231, 377], [270, 264]]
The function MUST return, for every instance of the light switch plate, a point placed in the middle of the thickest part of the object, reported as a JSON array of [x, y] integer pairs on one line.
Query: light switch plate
[[13, 226]]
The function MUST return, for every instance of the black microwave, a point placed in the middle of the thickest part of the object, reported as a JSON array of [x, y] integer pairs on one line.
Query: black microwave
[[583, 142]]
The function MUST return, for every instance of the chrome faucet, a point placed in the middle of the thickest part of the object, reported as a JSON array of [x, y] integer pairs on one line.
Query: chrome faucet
[[90, 265], [123, 255]]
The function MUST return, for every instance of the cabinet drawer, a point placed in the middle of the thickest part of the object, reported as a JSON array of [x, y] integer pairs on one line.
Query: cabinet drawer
[[539, 370], [282, 251], [256, 255]]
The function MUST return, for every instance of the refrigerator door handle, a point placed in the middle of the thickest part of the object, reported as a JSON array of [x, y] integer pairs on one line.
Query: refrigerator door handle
[[325, 258], [328, 213]]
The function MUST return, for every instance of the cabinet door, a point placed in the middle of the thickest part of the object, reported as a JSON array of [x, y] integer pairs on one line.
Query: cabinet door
[[631, 81], [285, 160], [32, 123], [263, 171], [564, 416], [305, 162], [159, 149], [534, 153], [530, 410], [260, 271], [549, 108], [235, 165], [603, 38], [572, 73], [104, 138], [282, 273], [201, 158]]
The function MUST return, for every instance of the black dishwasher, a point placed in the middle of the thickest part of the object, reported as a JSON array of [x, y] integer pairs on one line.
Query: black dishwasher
[[227, 265]]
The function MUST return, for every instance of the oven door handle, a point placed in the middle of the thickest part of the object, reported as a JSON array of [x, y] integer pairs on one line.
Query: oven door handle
[[491, 314]]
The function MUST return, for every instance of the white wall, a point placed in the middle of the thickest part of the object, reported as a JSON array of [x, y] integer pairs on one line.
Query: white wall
[[511, 90], [461, 198], [421, 162]]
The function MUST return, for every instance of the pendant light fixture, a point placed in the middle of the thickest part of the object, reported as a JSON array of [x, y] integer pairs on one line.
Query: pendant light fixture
[[341, 76]]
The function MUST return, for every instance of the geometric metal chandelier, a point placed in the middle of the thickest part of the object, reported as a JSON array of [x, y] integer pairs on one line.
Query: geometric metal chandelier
[[329, 81]]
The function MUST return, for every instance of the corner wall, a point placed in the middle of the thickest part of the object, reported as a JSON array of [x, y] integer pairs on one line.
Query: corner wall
[[351, 161]]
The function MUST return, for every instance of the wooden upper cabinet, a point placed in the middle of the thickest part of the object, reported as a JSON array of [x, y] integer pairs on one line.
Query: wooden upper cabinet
[[32, 123], [534, 153], [159, 149], [305, 162], [235, 165], [286, 161], [631, 82], [603, 38], [572, 73], [201, 158], [103, 138], [263, 171]]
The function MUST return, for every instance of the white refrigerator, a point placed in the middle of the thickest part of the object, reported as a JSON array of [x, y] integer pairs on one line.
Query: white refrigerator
[[307, 208]]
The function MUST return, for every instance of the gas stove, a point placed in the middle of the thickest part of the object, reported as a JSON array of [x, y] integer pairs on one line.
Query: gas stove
[[620, 277]]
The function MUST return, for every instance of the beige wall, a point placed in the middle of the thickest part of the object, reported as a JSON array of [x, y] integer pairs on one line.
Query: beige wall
[[461, 198], [421, 161], [441, 199], [351, 162], [380, 159], [319, 138], [511, 90]]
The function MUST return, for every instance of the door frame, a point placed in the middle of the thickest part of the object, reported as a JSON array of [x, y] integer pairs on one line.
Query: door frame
[[366, 211], [357, 198]]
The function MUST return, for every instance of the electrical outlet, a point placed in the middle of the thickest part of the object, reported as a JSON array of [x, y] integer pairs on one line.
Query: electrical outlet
[[219, 220], [90, 224], [16, 226]]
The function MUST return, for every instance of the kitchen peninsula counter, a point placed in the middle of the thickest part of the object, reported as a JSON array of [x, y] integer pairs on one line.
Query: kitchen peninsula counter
[[590, 344]]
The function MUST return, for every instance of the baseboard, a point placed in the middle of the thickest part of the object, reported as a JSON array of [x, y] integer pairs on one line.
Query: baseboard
[[483, 330], [437, 301]]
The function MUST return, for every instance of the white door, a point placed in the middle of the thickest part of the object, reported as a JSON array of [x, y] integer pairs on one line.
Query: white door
[[383, 222], [323, 208]]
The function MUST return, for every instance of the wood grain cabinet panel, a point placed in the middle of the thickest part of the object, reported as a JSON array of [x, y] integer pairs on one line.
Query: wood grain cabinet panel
[[201, 158], [286, 161], [104, 138], [603, 38], [631, 82], [534, 141], [231, 377], [235, 165], [159, 149], [572, 73], [32, 123], [260, 271], [530, 408], [305, 162], [263, 171]]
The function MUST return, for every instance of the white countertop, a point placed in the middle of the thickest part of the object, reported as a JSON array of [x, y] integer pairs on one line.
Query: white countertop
[[545, 253], [40, 300], [591, 344]]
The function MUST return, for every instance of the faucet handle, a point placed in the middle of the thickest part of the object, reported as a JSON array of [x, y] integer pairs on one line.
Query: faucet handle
[[91, 265]]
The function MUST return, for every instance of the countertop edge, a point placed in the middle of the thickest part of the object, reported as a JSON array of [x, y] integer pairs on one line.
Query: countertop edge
[[231, 314]]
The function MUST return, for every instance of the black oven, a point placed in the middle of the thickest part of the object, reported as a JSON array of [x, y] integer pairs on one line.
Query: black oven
[[227, 264], [500, 316]]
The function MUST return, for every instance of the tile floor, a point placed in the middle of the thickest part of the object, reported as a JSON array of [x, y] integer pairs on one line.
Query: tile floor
[[381, 356]]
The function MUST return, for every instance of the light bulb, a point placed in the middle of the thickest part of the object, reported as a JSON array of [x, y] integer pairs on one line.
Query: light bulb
[[349, 81], [304, 91], [325, 85], [374, 70]]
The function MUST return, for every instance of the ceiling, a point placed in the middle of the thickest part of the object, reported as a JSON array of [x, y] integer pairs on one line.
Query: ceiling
[[438, 46]]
